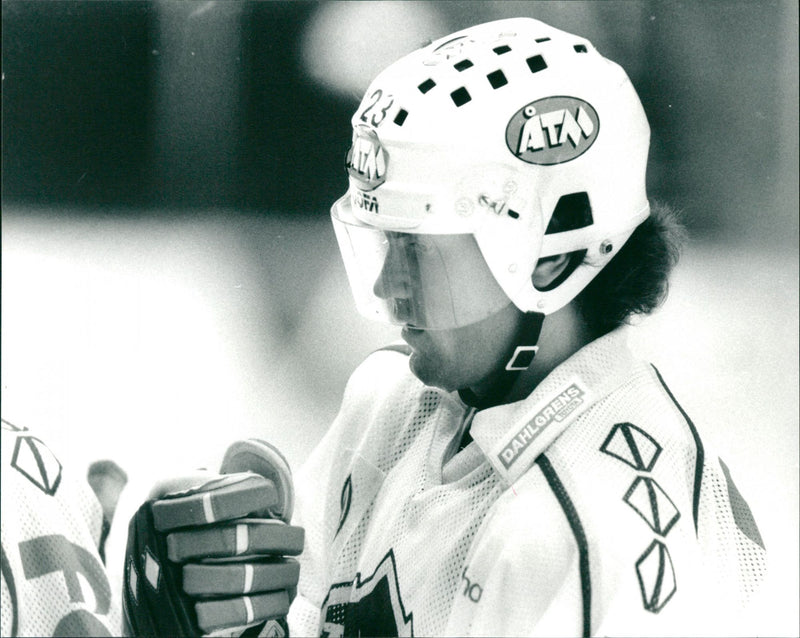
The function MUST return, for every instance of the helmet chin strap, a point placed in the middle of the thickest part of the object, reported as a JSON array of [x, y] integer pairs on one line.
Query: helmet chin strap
[[519, 357]]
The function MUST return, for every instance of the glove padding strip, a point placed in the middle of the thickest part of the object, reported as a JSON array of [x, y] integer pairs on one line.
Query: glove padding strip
[[233, 579], [234, 612], [264, 536], [221, 499]]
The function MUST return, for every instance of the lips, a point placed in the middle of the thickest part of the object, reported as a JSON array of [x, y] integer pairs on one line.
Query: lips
[[410, 334]]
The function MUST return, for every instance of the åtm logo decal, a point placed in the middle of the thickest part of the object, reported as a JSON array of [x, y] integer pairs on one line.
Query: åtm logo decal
[[552, 130], [366, 159]]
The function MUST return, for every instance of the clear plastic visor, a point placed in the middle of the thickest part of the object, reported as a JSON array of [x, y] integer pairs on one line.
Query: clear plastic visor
[[427, 281]]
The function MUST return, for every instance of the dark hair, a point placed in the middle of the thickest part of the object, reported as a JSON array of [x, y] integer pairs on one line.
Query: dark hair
[[635, 281]]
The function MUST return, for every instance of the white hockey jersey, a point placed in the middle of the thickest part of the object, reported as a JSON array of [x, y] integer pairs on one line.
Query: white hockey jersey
[[53, 580], [592, 507]]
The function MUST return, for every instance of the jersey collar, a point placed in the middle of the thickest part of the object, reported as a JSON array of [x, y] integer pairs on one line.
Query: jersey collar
[[512, 436]]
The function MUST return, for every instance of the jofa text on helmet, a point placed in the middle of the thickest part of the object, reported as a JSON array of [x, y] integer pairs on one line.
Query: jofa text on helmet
[[365, 201]]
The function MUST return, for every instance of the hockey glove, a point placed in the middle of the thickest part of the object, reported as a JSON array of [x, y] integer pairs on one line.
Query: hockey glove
[[211, 553]]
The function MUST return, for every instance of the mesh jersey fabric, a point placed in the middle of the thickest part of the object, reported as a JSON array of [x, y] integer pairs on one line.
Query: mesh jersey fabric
[[53, 579], [591, 507]]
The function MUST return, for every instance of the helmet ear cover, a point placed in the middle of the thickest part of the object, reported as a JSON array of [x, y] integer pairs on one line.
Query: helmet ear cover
[[572, 212]]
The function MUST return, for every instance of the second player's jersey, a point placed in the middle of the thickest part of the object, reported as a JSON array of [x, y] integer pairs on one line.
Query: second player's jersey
[[591, 507], [53, 580]]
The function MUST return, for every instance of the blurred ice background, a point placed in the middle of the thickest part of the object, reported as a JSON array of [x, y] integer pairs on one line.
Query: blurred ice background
[[170, 281]]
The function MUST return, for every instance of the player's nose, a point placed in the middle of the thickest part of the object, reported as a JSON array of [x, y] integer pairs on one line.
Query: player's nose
[[393, 282]]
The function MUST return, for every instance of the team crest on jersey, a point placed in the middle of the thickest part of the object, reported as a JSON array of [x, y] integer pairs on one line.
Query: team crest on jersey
[[552, 130], [367, 159], [367, 607]]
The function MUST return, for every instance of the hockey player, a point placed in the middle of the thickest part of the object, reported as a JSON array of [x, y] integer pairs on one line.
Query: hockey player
[[511, 468], [54, 581]]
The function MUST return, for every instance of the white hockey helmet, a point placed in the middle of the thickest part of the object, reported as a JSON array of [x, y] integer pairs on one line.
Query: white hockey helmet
[[479, 136]]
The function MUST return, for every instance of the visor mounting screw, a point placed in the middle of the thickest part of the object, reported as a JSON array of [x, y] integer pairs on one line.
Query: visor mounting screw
[[606, 247], [510, 187], [464, 207], [540, 305], [512, 268]]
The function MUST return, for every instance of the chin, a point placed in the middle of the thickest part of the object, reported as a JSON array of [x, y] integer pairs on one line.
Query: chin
[[432, 376]]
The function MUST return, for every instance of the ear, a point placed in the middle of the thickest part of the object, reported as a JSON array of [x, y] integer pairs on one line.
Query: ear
[[548, 269]]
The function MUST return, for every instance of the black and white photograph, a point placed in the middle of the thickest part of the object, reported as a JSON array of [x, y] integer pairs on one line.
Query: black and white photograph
[[400, 318]]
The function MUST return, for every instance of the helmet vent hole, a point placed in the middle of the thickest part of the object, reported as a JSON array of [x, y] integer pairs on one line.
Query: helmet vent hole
[[545, 39], [426, 86], [401, 116], [513, 214], [463, 65], [536, 63], [503, 48], [572, 211], [580, 48], [460, 96], [497, 79]]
